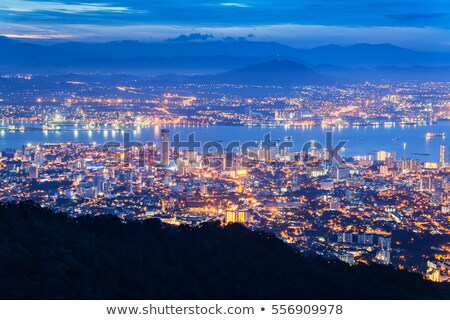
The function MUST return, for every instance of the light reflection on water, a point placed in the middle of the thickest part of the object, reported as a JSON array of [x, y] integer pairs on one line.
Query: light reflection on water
[[405, 140]]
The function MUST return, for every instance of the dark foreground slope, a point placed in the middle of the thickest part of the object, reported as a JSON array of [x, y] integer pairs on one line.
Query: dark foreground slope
[[46, 255]]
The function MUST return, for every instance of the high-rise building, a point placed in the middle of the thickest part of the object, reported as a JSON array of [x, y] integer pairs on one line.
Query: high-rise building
[[192, 158], [39, 157], [339, 173], [130, 182], [165, 147], [204, 189], [347, 257], [345, 237], [167, 179], [365, 239], [230, 217], [295, 181], [151, 154], [437, 197], [426, 184], [433, 271], [384, 243], [382, 155], [410, 165], [267, 154], [442, 155], [285, 149], [384, 170], [416, 165], [34, 172], [383, 257], [18, 154], [335, 204], [314, 172], [241, 216]]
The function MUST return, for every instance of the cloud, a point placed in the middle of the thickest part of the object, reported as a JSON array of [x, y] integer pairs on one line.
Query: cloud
[[241, 38], [24, 6], [38, 36], [299, 22], [196, 13], [413, 17], [191, 37], [234, 4]]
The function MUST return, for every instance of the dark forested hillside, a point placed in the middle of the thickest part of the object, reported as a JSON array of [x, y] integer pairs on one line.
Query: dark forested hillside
[[45, 255]]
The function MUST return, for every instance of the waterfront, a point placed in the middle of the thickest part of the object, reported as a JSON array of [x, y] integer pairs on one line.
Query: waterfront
[[408, 141]]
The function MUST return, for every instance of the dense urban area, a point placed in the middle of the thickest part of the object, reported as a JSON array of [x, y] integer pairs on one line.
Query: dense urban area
[[378, 207]]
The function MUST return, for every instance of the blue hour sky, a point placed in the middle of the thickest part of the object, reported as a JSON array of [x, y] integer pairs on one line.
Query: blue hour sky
[[422, 24]]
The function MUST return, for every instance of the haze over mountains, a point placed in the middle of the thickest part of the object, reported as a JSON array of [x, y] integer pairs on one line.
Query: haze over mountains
[[246, 62]]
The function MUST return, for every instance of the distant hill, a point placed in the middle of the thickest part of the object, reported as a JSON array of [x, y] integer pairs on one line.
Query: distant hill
[[131, 49], [15, 53], [152, 65], [372, 55], [275, 72], [46, 255]]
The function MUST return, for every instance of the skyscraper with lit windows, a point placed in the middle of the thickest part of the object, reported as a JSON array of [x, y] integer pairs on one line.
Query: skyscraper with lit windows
[[165, 147], [442, 155]]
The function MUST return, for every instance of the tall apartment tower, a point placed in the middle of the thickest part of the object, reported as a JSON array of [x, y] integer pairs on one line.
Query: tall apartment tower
[[165, 147], [34, 172], [442, 155]]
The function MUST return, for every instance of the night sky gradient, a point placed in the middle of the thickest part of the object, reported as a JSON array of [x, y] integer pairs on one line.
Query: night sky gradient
[[421, 24]]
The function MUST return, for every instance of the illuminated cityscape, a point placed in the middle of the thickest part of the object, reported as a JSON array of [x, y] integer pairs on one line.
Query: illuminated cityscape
[[377, 207], [224, 159]]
